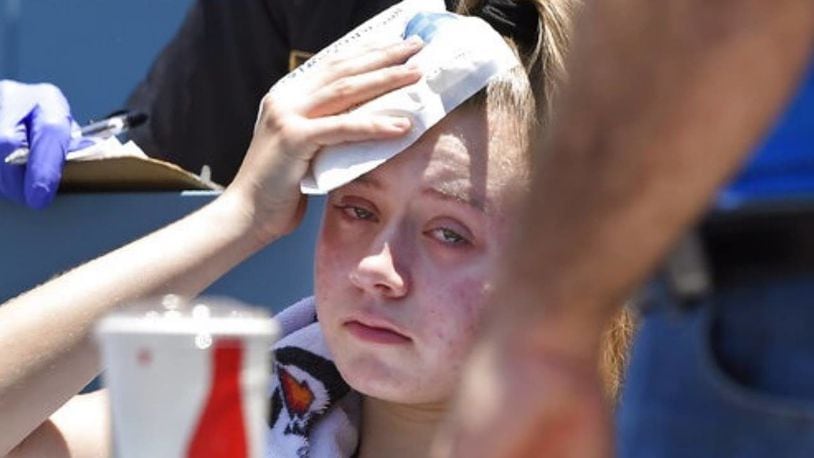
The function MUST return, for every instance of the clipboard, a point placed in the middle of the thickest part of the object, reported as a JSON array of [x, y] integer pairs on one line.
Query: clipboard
[[130, 174]]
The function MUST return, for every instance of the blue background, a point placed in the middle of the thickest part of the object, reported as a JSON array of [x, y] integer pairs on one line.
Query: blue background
[[96, 51], [782, 166]]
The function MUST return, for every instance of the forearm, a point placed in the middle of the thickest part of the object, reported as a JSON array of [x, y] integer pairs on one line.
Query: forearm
[[48, 354], [665, 100]]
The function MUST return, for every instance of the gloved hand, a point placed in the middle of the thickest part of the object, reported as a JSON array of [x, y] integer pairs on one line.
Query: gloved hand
[[37, 115]]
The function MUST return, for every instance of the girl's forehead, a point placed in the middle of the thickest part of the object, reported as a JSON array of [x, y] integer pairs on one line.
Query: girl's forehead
[[451, 150], [445, 166], [462, 158], [458, 156]]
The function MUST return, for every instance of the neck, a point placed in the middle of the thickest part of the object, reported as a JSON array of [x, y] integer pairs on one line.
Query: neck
[[398, 430]]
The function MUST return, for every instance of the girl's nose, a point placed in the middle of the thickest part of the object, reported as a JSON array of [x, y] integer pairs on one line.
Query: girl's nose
[[377, 274]]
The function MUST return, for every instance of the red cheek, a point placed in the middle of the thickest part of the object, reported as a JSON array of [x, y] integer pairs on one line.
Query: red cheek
[[473, 294], [328, 259], [462, 301]]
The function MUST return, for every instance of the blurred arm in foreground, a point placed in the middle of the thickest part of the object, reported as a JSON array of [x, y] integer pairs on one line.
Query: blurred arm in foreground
[[665, 101]]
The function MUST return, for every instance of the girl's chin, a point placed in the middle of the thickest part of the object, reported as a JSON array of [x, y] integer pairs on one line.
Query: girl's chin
[[397, 392], [378, 382], [388, 377]]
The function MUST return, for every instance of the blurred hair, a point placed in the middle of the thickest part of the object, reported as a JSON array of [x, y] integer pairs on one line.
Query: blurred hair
[[615, 352], [526, 93]]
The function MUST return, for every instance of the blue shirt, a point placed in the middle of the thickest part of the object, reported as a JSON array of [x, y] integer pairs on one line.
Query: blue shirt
[[782, 166]]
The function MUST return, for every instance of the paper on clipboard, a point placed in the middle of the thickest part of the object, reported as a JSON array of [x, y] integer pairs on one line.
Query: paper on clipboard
[[109, 165]]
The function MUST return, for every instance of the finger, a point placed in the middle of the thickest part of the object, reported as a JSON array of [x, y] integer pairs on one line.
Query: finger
[[14, 105], [358, 49], [347, 92], [333, 130], [11, 176], [49, 127], [386, 56], [10, 140]]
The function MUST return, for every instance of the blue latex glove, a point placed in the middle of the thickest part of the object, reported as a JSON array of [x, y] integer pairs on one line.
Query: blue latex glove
[[37, 115]]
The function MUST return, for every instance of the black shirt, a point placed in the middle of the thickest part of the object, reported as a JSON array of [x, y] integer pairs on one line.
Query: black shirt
[[203, 91]]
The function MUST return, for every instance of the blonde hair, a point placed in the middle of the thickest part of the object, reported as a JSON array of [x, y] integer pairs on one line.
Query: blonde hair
[[615, 352], [543, 61], [525, 97]]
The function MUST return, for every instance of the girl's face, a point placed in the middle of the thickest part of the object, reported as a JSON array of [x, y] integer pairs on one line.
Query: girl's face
[[406, 256]]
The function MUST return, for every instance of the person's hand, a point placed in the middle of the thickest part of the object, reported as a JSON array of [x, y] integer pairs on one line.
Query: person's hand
[[520, 400], [293, 125], [39, 116]]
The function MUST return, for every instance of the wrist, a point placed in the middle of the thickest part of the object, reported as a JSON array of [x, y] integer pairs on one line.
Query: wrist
[[235, 212], [266, 190]]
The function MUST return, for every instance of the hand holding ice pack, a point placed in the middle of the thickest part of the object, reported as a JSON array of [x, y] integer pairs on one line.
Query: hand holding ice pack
[[460, 56]]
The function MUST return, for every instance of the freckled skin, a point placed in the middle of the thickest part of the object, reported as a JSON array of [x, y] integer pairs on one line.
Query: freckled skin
[[397, 269]]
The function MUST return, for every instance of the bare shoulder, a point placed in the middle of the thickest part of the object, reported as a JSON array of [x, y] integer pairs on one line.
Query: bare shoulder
[[80, 428]]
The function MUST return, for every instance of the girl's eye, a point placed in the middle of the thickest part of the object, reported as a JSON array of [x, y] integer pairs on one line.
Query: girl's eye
[[355, 212], [448, 236]]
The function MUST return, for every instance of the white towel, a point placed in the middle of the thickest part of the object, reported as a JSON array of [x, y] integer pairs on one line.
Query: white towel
[[313, 411]]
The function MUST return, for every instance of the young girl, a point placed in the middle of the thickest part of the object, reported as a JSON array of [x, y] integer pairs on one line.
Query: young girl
[[404, 262]]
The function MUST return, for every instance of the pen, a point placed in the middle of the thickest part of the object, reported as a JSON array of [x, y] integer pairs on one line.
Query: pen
[[115, 124]]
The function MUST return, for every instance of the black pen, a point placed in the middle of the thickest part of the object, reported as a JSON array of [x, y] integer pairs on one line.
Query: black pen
[[113, 125]]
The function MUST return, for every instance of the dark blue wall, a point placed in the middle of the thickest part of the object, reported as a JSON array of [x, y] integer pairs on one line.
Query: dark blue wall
[[95, 50]]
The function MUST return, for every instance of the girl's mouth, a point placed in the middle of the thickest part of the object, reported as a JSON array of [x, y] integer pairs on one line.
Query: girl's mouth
[[376, 334]]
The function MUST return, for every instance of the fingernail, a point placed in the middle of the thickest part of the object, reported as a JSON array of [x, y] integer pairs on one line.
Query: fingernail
[[401, 123], [414, 41], [39, 196]]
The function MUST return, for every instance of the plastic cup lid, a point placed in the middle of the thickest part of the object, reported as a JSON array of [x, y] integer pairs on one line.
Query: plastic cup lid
[[176, 315]]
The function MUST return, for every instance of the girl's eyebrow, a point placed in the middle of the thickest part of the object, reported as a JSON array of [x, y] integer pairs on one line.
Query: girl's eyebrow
[[456, 195], [368, 181], [449, 193]]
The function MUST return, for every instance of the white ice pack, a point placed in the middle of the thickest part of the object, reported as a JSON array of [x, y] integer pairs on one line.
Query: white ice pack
[[459, 57]]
